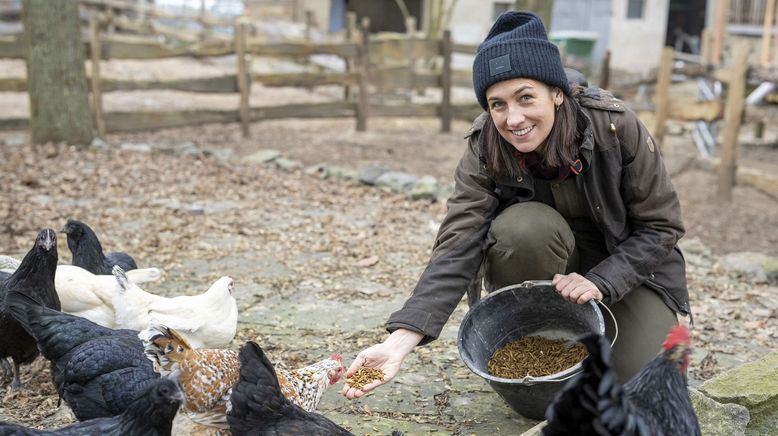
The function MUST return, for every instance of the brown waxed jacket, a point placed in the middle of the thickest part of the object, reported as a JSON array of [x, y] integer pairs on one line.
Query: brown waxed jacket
[[630, 198]]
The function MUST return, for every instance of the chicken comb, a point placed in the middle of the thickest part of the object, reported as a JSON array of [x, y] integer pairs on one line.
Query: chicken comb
[[678, 335], [336, 356]]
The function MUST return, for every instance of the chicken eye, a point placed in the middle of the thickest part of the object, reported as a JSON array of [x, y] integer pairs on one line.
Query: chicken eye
[[180, 349]]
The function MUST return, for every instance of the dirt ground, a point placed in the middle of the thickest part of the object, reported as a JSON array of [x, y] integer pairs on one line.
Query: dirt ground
[[331, 237]]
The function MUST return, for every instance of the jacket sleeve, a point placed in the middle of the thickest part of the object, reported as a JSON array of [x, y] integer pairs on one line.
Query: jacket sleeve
[[653, 215], [457, 253]]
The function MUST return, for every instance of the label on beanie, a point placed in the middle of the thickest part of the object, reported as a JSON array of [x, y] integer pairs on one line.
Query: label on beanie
[[499, 65]]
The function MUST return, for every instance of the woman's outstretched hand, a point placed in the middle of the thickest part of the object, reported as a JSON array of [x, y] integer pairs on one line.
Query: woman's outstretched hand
[[576, 288], [387, 356]]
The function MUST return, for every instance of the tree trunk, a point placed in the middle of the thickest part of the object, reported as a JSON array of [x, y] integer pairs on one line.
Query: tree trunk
[[56, 77]]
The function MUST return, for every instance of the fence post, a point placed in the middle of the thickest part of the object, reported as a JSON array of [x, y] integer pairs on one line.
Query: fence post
[[733, 116], [445, 82], [364, 66], [204, 28], [767, 27], [351, 26], [244, 81], [605, 70], [97, 96], [661, 100], [719, 27]]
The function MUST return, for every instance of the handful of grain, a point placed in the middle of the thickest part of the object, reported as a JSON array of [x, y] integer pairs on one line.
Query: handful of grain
[[364, 376]]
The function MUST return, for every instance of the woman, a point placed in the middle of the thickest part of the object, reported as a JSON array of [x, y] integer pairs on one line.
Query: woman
[[556, 183]]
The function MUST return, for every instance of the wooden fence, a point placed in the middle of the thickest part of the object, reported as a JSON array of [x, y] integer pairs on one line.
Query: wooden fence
[[376, 63]]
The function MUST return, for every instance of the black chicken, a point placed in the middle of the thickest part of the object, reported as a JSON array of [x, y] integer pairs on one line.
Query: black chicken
[[257, 406], [34, 277], [96, 370], [88, 253], [655, 401], [151, 414]]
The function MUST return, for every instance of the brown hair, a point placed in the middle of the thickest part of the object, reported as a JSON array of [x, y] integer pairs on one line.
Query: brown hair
[[561, 146]]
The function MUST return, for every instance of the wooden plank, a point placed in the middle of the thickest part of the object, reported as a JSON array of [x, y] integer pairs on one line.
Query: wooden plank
[[400, 50], [13, 84], [244, 79], [306, 79], [11, 47], [364, 67], [661, 99], [122, 46], [445, 83], [733, 115], [153, 120], [761, 180], [298, 49], [94, 78], [337, 109], [711, 110], [220, 84], [464, 48], [767, 27]]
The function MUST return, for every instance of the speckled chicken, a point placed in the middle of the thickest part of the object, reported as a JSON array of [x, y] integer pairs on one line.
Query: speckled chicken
[[150, 414], [258, 407], [207, 375]]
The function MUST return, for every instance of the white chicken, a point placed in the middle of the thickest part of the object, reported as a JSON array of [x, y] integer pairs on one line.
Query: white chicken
[[88, 295], [207, 320]]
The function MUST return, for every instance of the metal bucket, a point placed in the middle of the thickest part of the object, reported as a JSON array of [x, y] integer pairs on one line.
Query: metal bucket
[[530, 308]]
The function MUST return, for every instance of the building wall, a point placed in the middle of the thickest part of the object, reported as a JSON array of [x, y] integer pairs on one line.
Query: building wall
[[636, 44]]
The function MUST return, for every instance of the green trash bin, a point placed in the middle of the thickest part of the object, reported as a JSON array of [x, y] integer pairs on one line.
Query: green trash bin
[[576, 46]]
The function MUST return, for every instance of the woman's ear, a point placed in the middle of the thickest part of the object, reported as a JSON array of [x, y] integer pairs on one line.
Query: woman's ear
[[559, 97]]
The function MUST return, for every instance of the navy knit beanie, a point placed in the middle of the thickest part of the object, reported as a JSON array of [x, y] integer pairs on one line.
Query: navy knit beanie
[[517, 47]]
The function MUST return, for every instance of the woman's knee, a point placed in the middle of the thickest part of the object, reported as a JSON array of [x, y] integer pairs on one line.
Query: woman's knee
[[532, 227]]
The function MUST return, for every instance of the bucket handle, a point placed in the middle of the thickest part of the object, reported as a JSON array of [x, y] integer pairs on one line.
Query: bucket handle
[[530, 379]]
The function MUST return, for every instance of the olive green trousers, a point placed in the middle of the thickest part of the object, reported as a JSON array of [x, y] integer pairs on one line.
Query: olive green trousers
[[532, 241]]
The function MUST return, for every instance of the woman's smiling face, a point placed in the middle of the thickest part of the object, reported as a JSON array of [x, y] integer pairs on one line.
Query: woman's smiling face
[[523, 111]]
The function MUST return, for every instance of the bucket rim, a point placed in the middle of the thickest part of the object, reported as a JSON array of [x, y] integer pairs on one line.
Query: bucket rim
[[560, 376]]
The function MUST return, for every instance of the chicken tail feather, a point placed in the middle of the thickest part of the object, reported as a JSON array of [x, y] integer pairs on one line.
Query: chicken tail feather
[[164, 347]]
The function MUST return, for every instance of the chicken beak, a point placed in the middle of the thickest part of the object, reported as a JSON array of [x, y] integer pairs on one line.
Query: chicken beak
[[49, 240]]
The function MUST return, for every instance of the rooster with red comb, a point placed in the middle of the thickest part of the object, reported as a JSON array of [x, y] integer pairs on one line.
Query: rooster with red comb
[[655, 401]]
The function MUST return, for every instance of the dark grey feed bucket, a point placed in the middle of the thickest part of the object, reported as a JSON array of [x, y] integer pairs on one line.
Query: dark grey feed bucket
[[531, 308]]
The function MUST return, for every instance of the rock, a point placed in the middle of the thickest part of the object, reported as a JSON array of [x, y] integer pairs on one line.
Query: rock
[[185, 148], [396, 181], [288, 164], [342, 173], [135, 147], [748, 265], [263, 156], [369, 175], [99, 144], [753, 385], [717, 419], [425, 188], [222, 153], [16, 140], [317, 170]]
